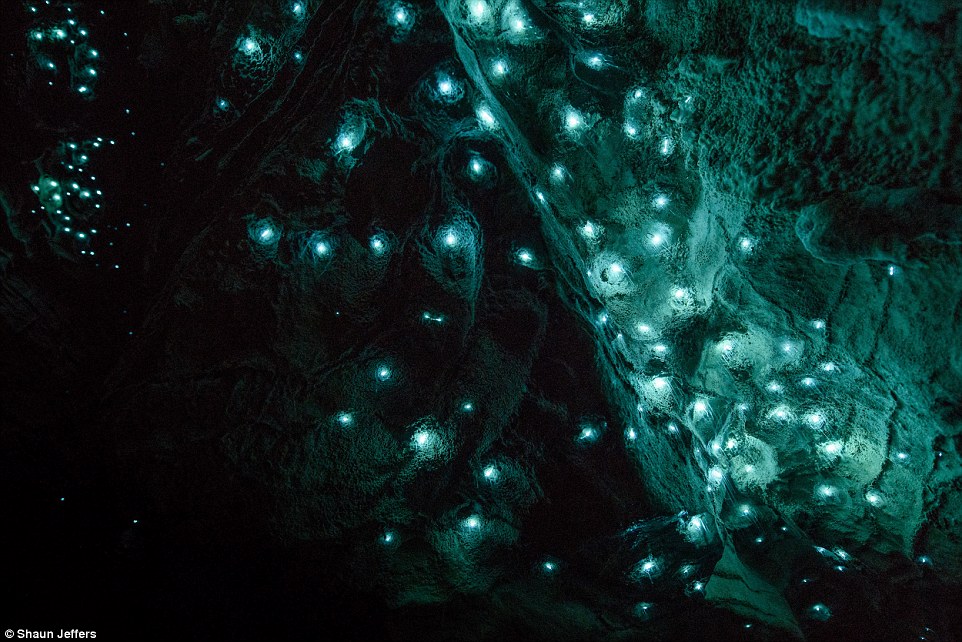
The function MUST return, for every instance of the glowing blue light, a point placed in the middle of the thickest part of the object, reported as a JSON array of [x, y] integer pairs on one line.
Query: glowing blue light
[[322, 248], [377, 244], [658, 237], [423, 439], [615, 273], [478, 10], [647, 567], [825, 491], [832, 447], [345, 142], [499, 67], [59, 33], [590, 431], [588, 18], [467, 406], [595, 61], [446, 85], [590, 230], [345, 418], [448, 90], [486, 117], [490, 473], [473, 522], [660, 201], [573, 119], [264, 232], [298, 56], [525, 256], [83, 89], [716, 475], [93, 53], [549, 567], [401, 17], [297, 9], [50, 65], [388, 537], [451, 239], [91, 71], [780, 412], [383, 373], [250, 46]]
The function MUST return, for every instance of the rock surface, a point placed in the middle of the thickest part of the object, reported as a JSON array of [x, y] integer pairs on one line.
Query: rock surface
[[487, 319]]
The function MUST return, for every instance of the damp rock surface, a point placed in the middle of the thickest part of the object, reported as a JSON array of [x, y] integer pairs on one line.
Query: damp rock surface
[[490, 319]]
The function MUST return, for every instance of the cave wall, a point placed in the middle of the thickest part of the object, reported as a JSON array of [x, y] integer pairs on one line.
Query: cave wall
[[572, 327]]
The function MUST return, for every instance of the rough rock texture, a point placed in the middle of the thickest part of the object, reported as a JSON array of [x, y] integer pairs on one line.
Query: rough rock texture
[[488, 319]]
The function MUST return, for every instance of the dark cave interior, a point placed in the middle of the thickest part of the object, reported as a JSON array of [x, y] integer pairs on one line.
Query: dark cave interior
[[482, 319]]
